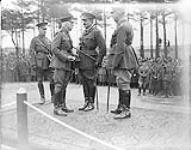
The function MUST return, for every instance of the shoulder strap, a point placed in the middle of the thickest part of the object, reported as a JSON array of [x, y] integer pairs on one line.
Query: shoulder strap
[[43, 44]]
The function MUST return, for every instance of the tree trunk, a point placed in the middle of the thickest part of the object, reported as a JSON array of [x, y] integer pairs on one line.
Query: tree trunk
[[105, 26], [43, 10], [175, 37], [164, 34], [1, 79], [38, 13], [157, 51], [17, 54], [151, 37], [23, 37], [141, 39]]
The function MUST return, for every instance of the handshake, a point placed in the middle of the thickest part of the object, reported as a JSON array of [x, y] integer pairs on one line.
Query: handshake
[[71, 58]]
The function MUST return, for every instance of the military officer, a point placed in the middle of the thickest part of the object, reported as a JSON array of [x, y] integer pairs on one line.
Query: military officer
[[122, 60], [62, 62], [90, 41], [40, 51]]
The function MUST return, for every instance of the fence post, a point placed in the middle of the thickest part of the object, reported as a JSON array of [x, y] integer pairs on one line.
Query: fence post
[[22, 125]]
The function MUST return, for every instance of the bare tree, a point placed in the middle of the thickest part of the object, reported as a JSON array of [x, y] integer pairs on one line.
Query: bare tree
[[157, 50], [175, 37], [151, 34], [165, 13], [12, 23], [142, 16], [25, 17]]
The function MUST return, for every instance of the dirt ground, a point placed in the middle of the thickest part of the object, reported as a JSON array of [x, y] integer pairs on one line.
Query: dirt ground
[[152, 126]]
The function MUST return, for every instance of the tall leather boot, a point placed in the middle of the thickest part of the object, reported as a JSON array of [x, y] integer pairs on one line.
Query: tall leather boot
[[90, 105], [41, 92], [93, 94], [57, 109], [85, 104], [64, 107], [139, 91], [126, 100], [118, 109], [86, 95], [144, 91], [52, 92]]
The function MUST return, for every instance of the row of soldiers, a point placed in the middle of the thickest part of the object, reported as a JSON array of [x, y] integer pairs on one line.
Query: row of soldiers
[[161, 76], [58, 61]]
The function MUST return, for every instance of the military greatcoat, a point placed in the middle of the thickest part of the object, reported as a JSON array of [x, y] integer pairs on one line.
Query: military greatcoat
[[122, 54]]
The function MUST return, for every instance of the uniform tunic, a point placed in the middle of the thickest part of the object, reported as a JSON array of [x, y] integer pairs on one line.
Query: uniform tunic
[[92, 43], [122, 57], [40, 51], [61, 48]]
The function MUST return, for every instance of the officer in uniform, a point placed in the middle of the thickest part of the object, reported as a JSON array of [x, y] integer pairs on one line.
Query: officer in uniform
[[93, 46], [40, 51], [62, 62], [122, 60]]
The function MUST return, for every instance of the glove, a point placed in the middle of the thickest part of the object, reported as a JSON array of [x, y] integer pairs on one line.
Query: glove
[[34, 67], [71, 58], [97, 64]]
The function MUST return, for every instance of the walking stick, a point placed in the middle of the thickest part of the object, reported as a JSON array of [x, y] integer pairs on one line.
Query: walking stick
[[108, 90], [97, 101], [97, 95], [109, 85], [82, 52]]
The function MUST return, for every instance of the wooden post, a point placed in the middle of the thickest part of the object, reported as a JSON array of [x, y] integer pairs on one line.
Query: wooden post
[[22, 127]]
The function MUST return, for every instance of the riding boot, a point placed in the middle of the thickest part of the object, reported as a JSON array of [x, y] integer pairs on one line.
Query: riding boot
[[118, 109], [139, 91], [85, 104], [57, 109], [90, 105], [144, 91], [124, 114], [52, 92], [41, 92], [64, 107], [93, 93], [86, 95], [126, 99]]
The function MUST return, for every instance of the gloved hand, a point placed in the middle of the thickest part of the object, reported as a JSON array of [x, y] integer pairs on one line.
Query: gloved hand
[[71, 58], [34, 67], [97, 65]]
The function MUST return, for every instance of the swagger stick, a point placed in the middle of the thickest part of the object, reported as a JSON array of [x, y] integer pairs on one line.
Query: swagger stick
[[108, 88], [82, 52], [108, 71]]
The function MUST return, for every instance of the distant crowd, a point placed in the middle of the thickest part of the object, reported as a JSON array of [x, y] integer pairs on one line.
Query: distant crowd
[[161, 76]]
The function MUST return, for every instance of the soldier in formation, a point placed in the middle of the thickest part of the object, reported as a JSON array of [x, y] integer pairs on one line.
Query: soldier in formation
[[143, 80], [40, 52]]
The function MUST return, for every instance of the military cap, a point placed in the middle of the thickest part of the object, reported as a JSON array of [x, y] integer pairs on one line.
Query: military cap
[[41, 24], [88, 15], [67, 17]]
